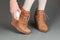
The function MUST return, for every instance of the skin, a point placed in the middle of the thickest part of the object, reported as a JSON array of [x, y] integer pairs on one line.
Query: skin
[[14, 7]]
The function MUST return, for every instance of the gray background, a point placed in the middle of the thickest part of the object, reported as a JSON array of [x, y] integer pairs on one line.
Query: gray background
[[7, 32]]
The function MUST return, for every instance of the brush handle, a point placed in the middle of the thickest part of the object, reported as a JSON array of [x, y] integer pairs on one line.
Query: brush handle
[[17, 15]]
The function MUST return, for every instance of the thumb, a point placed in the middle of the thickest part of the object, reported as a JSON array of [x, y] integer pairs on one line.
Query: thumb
[[14, 15]]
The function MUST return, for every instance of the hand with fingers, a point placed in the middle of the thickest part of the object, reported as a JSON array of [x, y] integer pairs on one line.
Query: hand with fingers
[[14, 8]]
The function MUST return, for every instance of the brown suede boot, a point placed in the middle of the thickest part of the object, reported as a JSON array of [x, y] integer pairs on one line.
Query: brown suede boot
[[23, 21], [40, 21], [14, 23], [22, 24]]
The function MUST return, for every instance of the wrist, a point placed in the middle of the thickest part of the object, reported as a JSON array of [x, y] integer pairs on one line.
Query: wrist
[[13, 0]]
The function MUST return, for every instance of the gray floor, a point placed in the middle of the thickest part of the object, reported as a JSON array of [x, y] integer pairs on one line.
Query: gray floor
[[7, 32]]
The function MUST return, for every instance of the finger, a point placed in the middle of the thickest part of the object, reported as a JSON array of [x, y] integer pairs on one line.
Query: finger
[[11, 13], [14, 14]]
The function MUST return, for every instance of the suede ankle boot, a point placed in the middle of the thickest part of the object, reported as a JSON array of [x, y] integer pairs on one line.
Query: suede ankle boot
[[23, 21], [40, 20], [14, 23]]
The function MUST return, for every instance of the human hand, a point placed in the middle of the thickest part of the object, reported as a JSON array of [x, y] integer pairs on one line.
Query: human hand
[[14, 8]]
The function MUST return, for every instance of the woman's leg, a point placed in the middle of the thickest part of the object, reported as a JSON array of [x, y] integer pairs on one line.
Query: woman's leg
[[40, 17], [42, 4], [28, 4], [24, 17]]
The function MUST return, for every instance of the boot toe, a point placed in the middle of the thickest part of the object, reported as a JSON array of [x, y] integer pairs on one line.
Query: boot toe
[[43, 29]]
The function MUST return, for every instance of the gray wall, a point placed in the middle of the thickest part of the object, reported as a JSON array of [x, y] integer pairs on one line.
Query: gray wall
[[7, 32]]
